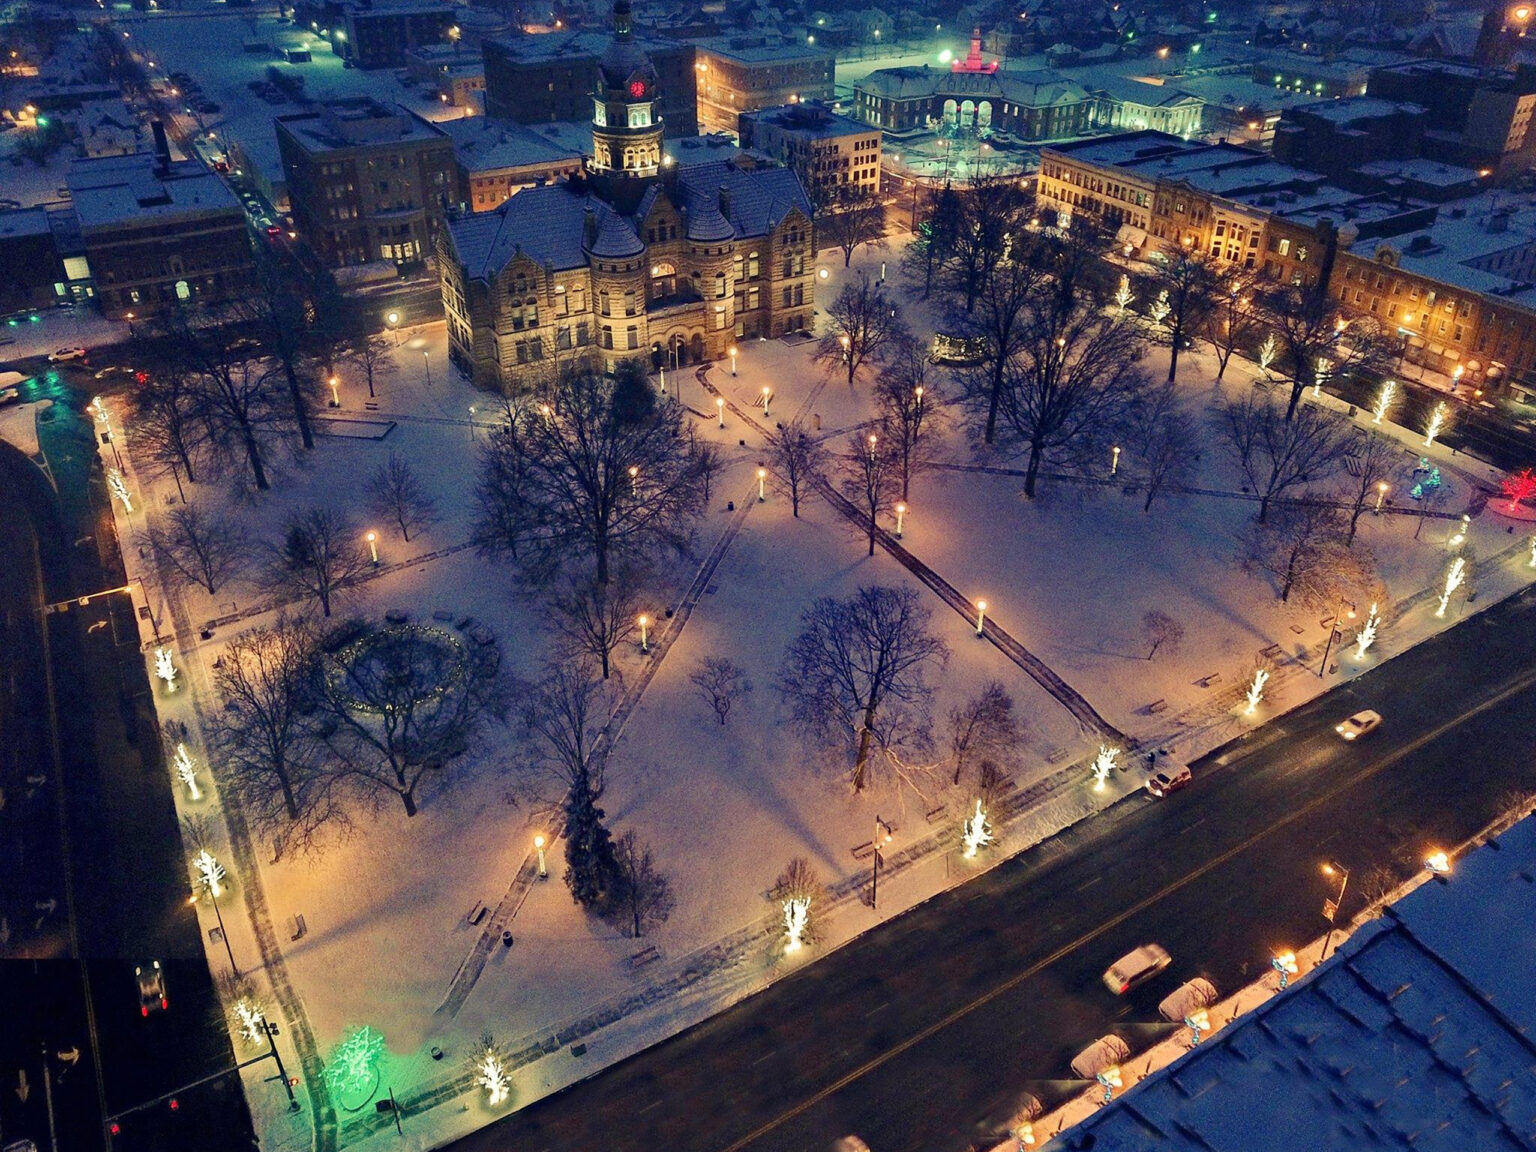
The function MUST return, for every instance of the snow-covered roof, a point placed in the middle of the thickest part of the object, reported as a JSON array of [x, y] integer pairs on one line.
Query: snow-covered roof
[[1417, 1033], [122, 189]]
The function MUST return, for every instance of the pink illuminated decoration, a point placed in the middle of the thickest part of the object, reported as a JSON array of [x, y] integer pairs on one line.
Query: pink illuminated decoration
[[1518, 487], [973, 61]]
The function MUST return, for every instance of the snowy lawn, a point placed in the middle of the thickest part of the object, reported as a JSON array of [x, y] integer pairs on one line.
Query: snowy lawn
[[724, 808]]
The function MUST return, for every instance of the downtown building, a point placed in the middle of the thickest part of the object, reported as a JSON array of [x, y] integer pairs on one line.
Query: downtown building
[[366, 181], [742, 74], [1456, 279], [635, 259], [827, 151]]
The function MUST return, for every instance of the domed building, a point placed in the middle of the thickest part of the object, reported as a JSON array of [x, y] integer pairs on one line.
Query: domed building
[[636, 258]]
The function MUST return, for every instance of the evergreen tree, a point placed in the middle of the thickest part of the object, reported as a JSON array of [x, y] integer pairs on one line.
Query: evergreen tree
[[591, 866]]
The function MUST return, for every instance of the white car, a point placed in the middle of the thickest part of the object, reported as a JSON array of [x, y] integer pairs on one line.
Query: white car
[[1136, 967], [61, 354], [1359, 724]]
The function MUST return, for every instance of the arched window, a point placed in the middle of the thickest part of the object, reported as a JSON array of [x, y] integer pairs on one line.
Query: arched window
[[663, 279], [719, 285]]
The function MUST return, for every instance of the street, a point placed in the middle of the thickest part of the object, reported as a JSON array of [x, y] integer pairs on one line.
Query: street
[[113, 866], [925, 1033]]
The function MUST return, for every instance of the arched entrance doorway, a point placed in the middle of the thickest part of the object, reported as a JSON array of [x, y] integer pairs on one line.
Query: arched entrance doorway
[[984, 116], [967, 115], [696, 347], [949, 113], [678, 349]]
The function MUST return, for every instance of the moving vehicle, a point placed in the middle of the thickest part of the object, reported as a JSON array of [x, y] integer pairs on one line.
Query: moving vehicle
[[61, 354], [1169, 779], [1136, 967], [152, 997], [1359, 724]]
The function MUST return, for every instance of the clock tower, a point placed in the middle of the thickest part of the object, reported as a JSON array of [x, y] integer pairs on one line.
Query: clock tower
[[626, 124]]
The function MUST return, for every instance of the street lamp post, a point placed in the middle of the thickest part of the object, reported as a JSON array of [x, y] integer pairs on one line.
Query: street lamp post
[[901, 516], [1333, 633], [645, 623], [767, 398], [538, 846], [762, 475], [373, 545], [882, 836], [426, 359], [733, 359], [335, 396], [218, 916], [1331, 907], [720, 409]]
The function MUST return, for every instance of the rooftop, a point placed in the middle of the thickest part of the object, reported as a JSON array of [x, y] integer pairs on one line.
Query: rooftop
[[357, 123], [1420, 171], [572, 45], [1416, 1033], [753, 50], [1127, 148], [1356, 108], [129, 189], [1464, 243], [23, 222], [811, 120], [484, 145]]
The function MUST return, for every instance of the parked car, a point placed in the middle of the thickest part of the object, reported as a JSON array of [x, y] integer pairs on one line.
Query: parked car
[[1169, 779], [1359, 724], [58, 355], [151, 979], [1136, 967]]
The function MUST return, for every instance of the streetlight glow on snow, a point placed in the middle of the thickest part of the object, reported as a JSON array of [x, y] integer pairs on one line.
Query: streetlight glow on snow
[[975, 831], [1438, 863]]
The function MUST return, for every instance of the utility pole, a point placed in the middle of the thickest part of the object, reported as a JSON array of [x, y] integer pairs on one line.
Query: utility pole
[[882, 836], [1331, 907], [270, 1028]]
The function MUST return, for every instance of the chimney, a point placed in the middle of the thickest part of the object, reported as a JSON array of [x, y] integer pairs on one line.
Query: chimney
[[725, 201], [162, 149], [588, 227]]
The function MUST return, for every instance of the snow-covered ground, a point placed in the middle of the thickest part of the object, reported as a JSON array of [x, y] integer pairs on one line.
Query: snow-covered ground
[[725, 808]]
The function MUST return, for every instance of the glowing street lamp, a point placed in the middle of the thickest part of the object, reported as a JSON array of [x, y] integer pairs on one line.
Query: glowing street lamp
[[373, 545], [1114, 459], [901, 516], [733, 360], [471, 423], [767, 398], [762, 476], [1438, 863], [720, 409], [1331, 907], [873, 440], [1197, 1022], [538, 846], [426, 359], [335, 396], [645, 623], [981, 616], [1381, 495], [1285, 964]]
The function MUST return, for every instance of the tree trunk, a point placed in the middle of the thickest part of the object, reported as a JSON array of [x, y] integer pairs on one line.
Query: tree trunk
[[1221, 363], [1032, 472], [300, 413], [1263, 509], [1173, 358], [409, 799], [872, 511], [253, 457], [1147, 507], [1354, 521], [602, 562], [605, 663], [992, 401], [176, 475], [289, 802], [848, 256], [863, 757], [1297, 388], [794, 499]]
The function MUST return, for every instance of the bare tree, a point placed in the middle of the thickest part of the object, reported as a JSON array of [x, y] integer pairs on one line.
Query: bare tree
[[207, 549], [281, 312], [865, 324], [720, 683], [1303, 550], [933, 242], [1316, 342], [858, 670], [268, 750], [1071, 387], [1185, 285], [370, 353], [594, 619], [1276, 454], [1369, 461], [1164, 439], [402, 702], [867, 476], [396, 493], [1430, 498], [167, 433], [565, 718], [1162, 631], [1232, 321], [644, 896], [999, 316], [984, 728], [849, 216], [576, 477], [796, 459], [987, 217], [318, 555], [908, 403]]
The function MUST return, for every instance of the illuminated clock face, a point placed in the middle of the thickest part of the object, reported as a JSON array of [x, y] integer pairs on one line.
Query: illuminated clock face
[[637, 89]]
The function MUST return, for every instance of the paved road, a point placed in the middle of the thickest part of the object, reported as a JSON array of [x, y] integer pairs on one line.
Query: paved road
[[127, 871], [923, 1034]]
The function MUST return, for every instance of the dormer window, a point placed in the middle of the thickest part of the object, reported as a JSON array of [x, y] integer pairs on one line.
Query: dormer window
[[599, 114]]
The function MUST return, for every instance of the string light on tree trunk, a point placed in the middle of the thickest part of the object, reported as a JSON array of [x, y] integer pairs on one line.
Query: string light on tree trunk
[[491, 1074], [1532, 562], [1367, 634], [645, 624], [1321, 374], [1384, 401], [1256, 690], [1455, 576], [186, 772], [720, 409], [1160, 307], [1124, 297], [165, 668], [981, 616], [975, 831], [1437, 419], [209, 872], [1267, 352], [1103, 765], [119, 488], [797, 920]]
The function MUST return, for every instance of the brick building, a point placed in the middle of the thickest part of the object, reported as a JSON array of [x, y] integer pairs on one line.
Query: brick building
[[496, 159], [826, 150], [157, 232], [740, 74], [634, 260], [380, 33], [366, 181], [34, 277]]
